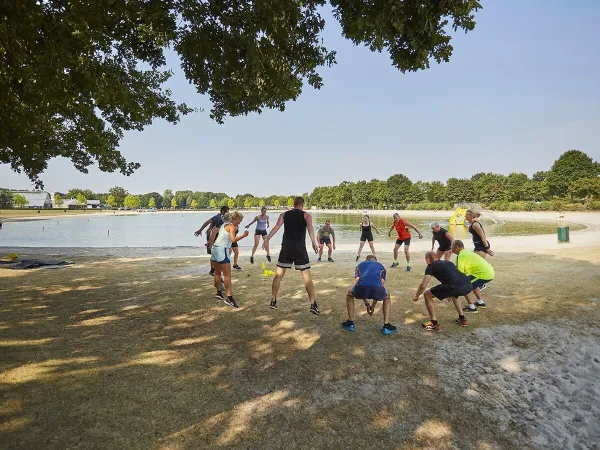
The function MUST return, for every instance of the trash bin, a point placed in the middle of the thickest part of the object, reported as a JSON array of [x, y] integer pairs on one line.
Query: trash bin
[[562, 231]]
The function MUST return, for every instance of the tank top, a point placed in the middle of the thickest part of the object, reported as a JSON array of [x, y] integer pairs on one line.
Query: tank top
[[400, 226], [294, 228], [366, 228], [223, 239], [261, 224], [476, 237]]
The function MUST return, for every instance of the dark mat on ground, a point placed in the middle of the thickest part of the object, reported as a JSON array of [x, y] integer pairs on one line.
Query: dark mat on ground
[[35, 263]]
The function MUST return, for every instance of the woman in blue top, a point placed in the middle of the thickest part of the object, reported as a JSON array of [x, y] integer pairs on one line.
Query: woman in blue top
[[262, 223]]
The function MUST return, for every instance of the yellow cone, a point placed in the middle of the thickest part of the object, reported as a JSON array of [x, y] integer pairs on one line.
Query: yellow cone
[[263, 267], [13, 256]]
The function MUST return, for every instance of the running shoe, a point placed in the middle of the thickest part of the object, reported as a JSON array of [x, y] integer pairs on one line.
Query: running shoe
[[466, 309], [347, 325], [269, 258], [235, 266], [480, 304], [318, 259], [231, 302], [330, 260], [429, 326], [357, 258], [395, 264], [462, 322], [314, 308], [273, 304], [388, 329], [408, 268], [212, 272], [252, 260], [219, 295]]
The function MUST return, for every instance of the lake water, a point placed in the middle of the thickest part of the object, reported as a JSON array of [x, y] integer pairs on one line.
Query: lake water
[[176, 230]]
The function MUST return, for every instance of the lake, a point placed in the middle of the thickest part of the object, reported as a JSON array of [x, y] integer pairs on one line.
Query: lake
[[176, 229]]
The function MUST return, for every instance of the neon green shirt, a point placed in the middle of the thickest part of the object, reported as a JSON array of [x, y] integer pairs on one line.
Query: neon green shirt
[[471, 264]]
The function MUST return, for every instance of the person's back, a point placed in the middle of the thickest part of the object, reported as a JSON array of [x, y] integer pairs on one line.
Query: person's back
[[471, 264], [370, 273], [294, 224], [447, 273]]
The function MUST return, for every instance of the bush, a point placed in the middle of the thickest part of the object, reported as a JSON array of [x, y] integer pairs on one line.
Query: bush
[[557, 205], [545, 206], [592, 205], [573, 207], [516, 206], [531, 206]]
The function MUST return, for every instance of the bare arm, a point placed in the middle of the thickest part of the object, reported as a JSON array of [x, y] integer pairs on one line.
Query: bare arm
[[450, 238], [231, 230], [391, 228], [274, 230], [432, 242], [211, 238], [255, 219], [408, 224], [373, 225], [268, 223], [333, 236], [311, 231], [204, 225], [422, 287]]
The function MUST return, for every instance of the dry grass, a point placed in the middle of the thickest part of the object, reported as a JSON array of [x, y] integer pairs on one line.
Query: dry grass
[[9, 214], [125, 354]]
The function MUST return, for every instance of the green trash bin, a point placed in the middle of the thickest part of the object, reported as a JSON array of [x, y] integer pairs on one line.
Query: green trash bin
[[562, 231]]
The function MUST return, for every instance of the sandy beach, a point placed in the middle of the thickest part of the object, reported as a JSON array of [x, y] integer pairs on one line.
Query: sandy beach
[[129, 348]]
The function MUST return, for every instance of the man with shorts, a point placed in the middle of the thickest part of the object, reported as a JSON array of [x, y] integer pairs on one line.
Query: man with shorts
[[324, 237], [479, 271], [214, 223], [404, 237], [370, 279], [454, 284], [444, 240], [293, 250]]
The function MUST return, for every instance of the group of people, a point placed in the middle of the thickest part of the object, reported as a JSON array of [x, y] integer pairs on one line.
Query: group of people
[[467, 278]]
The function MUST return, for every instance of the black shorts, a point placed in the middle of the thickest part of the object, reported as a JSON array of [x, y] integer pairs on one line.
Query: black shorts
[[324, 241], [260, 232], [369, 292], [406, 242], [234, 245], [479, 247], [445, 248], [443, 291], [296, 255], [366, 237]]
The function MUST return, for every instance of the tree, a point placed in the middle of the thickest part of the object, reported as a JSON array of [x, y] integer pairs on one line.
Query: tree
[[132, 202], [230, 202], [570, 166], [587, 188], [6, 199], [397, 187], [58, 201], [488, 188], [173, 203], [80, 75], [111, 201], [20, 201], [276, 203], [247, 203], [118, 194], [81, 200], [460, 190], [213, 203], [194, 204], [539, 176], [435, 191], [261, 203], [416, 193], [151, 203], [290, 202], [515, 186]]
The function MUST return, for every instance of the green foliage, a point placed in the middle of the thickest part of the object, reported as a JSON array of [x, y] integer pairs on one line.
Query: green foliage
[[261, 203], [173, 203], [213, 203], [111, 201], [58, 199], [230, 203], [81, 199], [290, 202], [132, 202], [151, 203], [569, 167], [397, 188], [6, 199], [118, 194], [194, 204], [277, 203], [587, 188], [167, 199], [20, 201], [460, 190], [247, 203]]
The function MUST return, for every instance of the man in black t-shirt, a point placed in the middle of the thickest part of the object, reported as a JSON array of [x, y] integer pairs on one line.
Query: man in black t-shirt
[[444, 239], [454, 284]]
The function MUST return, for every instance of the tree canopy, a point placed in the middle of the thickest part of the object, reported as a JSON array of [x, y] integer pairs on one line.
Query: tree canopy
[[75, 76]]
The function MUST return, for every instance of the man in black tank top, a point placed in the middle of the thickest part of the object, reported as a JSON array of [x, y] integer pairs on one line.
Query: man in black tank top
[[293, 249]]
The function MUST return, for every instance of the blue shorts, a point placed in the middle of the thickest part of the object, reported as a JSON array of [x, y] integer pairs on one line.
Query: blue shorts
[[478, 283], [369, 292], [220, 255]]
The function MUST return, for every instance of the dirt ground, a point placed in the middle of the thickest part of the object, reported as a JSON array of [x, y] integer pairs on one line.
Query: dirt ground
[[137, 353]]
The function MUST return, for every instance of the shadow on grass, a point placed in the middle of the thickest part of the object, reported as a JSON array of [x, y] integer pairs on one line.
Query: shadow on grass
[[113, 353]]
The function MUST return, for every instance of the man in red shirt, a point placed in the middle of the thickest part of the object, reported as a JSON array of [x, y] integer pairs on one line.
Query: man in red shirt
[[404, 237]]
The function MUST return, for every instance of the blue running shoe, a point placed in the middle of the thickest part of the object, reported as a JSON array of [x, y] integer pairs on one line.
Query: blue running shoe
[[408, 268], [347, 325], [388, 329]]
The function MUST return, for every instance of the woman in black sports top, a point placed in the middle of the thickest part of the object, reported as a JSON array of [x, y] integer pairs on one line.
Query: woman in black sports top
[[366, 235], [482, 245]]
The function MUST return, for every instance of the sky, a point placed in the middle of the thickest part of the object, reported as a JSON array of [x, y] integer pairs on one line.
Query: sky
[[519, 90]]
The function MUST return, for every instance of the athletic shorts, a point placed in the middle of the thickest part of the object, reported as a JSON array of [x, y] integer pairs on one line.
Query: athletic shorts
[[478, 283], [260, 232], [479, 247], [234, 245], [296, 255], [443, 291], [324, 241], [366, 237], [406, 242], [220, 255], [369, 292], [442, 248]]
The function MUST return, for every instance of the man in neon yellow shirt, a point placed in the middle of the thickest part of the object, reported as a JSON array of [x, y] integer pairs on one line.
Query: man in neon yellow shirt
[[479, 271]]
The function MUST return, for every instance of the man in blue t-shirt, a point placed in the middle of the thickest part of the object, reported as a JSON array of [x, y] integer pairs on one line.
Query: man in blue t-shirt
[[370, 279]]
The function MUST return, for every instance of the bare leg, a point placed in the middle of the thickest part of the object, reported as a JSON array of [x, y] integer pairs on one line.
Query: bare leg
[[396, 247], [387, 306], [477, 292], [407, 253], [439, 254], [448, 255], [329, 250], [429, 304], [227, 277], [360, 247], [350, 305], [308, 284], [276, 282], [266, 247], [256, 240], [320, 250], [236, 254], [217, 276], [482, 254], [457, 305], [372, 245], [470, 298]]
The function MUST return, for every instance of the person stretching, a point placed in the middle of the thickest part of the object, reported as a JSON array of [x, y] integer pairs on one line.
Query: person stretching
[[404, 237], [366, 235], [479, 271], [482, 245], [444, 239], [262, 223], [324, 237]]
